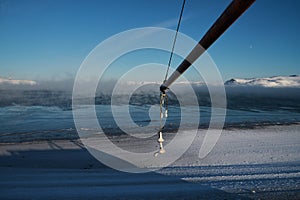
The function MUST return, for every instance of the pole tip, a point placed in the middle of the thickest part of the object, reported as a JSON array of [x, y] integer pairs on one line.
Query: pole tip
[[163, 88]]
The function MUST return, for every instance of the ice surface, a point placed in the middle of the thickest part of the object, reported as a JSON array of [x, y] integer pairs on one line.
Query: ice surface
[[261, 163]]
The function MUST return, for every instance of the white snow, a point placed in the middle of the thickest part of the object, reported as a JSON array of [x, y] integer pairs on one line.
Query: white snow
[[261, 163], [276, 81], [16, 82], [243, 177]]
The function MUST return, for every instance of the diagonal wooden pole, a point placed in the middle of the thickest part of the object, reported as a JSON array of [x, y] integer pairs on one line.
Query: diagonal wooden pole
[[235, 9]]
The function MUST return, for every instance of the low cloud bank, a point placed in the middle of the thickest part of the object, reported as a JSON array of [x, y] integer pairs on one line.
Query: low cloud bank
[[239, 96]]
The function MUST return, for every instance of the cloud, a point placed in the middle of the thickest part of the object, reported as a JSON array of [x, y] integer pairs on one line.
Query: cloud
[[172, 22]]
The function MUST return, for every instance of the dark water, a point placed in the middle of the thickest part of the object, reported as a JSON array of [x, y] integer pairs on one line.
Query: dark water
[[43, 115]]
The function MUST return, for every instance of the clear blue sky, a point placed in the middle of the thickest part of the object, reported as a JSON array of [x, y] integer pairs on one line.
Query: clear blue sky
[[48, 39]]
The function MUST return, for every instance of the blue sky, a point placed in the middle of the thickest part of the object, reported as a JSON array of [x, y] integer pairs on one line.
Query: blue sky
[[48, 40]]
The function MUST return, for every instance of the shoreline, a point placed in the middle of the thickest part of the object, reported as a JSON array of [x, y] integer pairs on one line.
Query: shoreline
[[231, 127]]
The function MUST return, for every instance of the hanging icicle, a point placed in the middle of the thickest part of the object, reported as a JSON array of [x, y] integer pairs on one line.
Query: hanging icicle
[[163, 95]]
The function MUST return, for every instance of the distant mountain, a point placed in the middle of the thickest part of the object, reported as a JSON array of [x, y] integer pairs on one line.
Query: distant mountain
[[16, 82], [275, 81]]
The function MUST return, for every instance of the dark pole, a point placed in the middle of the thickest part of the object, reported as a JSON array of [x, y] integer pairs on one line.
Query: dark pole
[[235, 9]]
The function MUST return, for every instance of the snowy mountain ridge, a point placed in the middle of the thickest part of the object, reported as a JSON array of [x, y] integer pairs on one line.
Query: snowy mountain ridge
[[275, 81], [16, 82]]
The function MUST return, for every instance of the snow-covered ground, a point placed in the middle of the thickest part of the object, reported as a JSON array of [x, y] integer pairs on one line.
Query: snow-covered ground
[[246, 163]]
